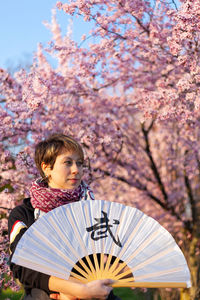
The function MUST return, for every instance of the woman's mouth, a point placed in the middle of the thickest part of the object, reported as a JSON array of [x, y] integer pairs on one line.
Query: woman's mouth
[[73, 180]]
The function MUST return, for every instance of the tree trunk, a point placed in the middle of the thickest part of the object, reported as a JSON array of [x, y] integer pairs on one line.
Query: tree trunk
[[169, 294], [192, 255], [194, 264]]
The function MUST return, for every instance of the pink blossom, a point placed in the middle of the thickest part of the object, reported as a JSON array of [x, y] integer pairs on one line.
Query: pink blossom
[[132, 100]]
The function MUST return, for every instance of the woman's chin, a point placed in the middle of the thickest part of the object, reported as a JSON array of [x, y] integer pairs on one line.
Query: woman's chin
[[73, 185]]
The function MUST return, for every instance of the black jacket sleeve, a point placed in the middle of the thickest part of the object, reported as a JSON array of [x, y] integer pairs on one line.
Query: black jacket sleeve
[[19, 220]]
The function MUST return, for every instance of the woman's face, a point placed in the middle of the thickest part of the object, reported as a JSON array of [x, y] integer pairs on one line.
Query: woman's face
[[67, 171]]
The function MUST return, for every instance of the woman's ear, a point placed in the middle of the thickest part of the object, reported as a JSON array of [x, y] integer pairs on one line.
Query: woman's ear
[[45, 168]]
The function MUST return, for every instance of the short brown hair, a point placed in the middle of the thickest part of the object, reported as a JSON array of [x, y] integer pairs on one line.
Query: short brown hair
[[46, 151]]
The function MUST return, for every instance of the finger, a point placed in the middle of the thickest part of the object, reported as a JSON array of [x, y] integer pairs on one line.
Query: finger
[[105, 258], [55, 296], [107, 281]]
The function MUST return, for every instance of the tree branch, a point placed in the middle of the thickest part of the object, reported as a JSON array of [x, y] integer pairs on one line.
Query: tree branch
[[191, 199], [138, 185], [2, 207], [137, 20], [107, 30], [175, 4], [153, 165]]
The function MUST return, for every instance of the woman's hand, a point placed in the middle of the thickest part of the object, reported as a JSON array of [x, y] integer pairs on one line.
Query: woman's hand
[[98, 289], [62, 296]]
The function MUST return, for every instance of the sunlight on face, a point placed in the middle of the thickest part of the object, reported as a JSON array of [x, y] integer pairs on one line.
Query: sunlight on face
[[67, 171]]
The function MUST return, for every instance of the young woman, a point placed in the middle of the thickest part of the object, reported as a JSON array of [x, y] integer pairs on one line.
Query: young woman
[[59, 160]]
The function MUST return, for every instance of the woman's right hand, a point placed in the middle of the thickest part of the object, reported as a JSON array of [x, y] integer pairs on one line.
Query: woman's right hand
[[60, 296], [98, 289]]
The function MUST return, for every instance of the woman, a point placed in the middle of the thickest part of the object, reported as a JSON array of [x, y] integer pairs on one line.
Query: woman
[[59, 160]]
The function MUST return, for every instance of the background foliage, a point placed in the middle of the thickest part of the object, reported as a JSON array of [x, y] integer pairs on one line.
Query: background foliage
[[129, 92]]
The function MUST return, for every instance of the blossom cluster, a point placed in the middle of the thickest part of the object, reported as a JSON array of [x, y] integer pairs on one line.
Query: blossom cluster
[[131, 97]]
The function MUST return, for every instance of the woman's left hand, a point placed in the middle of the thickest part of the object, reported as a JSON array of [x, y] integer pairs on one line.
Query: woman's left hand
[[61, 296]]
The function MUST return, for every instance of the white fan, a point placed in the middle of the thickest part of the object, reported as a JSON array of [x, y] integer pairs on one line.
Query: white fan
[[74, 239]]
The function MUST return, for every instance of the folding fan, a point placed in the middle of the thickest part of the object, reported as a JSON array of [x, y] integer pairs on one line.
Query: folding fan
[[100, 239]]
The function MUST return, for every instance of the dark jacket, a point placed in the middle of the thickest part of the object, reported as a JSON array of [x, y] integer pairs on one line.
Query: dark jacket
[[20, 219], [29, 278]]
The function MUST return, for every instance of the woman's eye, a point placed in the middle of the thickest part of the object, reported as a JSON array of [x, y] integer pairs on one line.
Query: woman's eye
[[79, 163], [68, 162]]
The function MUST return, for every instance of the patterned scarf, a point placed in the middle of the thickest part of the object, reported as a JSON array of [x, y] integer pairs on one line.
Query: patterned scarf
[[45, 198]]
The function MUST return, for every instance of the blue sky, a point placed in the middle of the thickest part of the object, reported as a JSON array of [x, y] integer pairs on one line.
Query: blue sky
[[21, 29]]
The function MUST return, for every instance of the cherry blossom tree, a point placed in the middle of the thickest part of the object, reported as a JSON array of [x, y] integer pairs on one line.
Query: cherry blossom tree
[[131, 97]]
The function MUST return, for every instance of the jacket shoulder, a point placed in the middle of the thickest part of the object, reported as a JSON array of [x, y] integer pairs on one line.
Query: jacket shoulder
[[23, 212]]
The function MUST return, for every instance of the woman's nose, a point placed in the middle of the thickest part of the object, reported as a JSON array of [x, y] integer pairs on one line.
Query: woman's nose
[[74, 168]]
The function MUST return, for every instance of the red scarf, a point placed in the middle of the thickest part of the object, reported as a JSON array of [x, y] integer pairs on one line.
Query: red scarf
[[46, 198]]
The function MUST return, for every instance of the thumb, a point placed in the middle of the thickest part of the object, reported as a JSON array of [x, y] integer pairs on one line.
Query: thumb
[[108, 281]]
